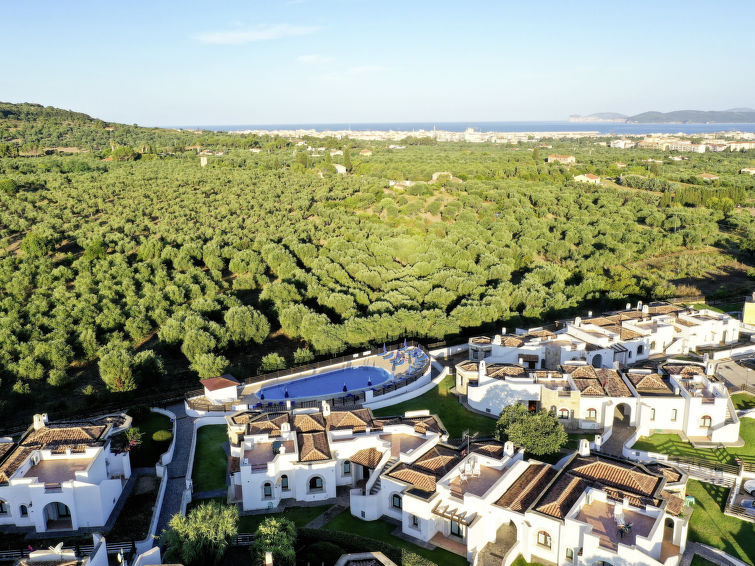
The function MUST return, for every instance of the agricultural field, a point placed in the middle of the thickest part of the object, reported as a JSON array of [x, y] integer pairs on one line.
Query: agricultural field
[[128, 268]]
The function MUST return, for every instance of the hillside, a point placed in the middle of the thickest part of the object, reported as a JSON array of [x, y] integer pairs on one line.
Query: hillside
[[133, 271], [735, 116]]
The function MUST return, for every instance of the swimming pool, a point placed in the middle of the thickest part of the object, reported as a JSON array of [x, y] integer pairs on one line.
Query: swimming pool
[[327, 384]]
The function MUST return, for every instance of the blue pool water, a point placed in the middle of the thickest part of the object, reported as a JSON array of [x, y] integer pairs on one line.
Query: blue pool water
[[324, 384]]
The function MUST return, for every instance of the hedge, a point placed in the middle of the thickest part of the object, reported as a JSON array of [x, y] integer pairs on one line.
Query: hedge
[[354, 543], [162, 435]]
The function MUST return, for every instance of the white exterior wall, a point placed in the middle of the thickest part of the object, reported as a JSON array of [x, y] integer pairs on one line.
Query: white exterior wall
[[496, 394], [90, 496], [222, 395], [663, 419]]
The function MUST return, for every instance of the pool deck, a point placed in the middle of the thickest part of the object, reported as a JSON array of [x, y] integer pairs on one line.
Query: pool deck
[[250, 391]]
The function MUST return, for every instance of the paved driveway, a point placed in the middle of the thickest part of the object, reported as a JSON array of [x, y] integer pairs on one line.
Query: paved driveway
[[735, 374]]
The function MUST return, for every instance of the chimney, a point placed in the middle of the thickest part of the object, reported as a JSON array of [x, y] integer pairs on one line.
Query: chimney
[[584, 447], [508, 448], [639, 306], [589, 314], [268, 558], [481, 369], [629, 306], [645, 309], [325, 409], [40, 420], [578, 322], [503, 330], [282, 449]]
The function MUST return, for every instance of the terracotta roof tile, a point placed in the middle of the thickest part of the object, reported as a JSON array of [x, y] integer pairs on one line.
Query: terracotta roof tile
[[421, 480], [309, 422], [313, 446], [562, 496], [349, 419], [612, 383], [215, 383], [527, 487], [367, 457]]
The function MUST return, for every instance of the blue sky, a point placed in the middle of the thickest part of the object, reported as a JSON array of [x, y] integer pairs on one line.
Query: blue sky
[[318, 61]]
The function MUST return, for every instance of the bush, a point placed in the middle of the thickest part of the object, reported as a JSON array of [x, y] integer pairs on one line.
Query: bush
[[272, 362], [162, 435]]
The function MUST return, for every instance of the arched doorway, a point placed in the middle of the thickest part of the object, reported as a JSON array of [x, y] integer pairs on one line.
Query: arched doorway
[[57, 516], [668, 530], [597, 361], [622, 415]]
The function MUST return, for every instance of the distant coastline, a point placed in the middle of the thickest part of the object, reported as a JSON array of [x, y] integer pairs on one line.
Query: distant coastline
[[600, 128]]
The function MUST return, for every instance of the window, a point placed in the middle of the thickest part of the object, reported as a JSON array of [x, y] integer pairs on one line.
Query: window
[[640, 349], [315, 483], [673, 415], [630, 354], [592, 414], [415, 521], [396, 501], [3, 507], [544, 539], [563, 413], [284, 482], [652, 414], [267, 490], [347, 468], [24, 510], [569, 554], [705, 421], [457, 529]]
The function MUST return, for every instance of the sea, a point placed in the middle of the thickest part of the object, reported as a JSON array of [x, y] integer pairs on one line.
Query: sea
[[610, 128]]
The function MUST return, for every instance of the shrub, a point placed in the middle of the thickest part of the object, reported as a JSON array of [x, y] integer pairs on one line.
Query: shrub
[[272, 362], [162, 435]]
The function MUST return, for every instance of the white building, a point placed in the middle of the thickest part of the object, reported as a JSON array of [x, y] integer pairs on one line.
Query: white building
[[588, 178], [223, 389], [63, 476], [574, 373], [306, 454], [593, 510], [623, 144]]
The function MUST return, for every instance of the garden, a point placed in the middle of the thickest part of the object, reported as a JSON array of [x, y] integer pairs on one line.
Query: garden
[[674, 446], [210, 459]]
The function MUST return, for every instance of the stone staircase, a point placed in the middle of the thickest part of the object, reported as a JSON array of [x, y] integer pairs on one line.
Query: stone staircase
[[388, 465]]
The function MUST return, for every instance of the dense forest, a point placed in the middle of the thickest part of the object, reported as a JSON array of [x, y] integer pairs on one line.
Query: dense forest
[[125, 265]]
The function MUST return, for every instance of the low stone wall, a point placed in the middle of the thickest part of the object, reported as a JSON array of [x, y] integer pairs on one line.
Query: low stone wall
[[410, 394]]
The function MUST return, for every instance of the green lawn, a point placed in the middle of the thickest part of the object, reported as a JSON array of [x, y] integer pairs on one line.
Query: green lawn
[[210, 461], [381, 531], [301, 516], [148, 452], [700, 561], [441, 402], [672, 445], [520, 561], [743, 401], [709, 525]]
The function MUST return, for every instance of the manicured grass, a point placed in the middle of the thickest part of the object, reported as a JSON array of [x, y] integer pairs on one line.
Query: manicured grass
[[210, 461], [301, 516], [709, 525], [520, 561], [743, 401], [380, 530], [672, 445], [441, 402], [700, 561], [148, 452]]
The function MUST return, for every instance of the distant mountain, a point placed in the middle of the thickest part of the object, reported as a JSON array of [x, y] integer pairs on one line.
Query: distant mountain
[[735, 115], [599, 117]]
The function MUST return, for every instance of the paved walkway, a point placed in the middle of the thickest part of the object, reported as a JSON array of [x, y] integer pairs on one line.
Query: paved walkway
[[709, 553], [177, 468], [320, 521]]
